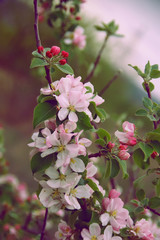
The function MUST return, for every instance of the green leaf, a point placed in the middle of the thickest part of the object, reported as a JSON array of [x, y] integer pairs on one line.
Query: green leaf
[[40, 164], [147, 149], [115, 168], [65, 68], [156, 146], [92, 184], [139, 210], [108, 168], [158, 187], [43, 111], [140, 194], [123, 165], [151, 86], [147, 102], [154, 136], [83, 121], [138, 180], [98, 195], [89, 89], [100, 142], [141, 112], [155, 73], [147, 68], [139, 157], [140, 73], [36, 54], [154, 202], [102, 133], [101, 113], [38, 62], [155, 67]]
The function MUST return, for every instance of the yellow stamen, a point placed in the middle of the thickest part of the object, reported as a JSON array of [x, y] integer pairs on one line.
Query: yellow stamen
[[62, 177], [71, 108], [73, 192], [114, 213], [55, 194], [94, 237], [72, 160], [61, 148]]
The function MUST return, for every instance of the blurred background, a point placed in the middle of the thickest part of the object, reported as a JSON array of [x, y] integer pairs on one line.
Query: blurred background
[[138, 20]]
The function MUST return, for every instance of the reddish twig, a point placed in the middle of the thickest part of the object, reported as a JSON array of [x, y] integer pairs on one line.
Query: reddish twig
[[44, 224], [153, 211], [99, 154], [109, 84], [97, 60], [26, 224]]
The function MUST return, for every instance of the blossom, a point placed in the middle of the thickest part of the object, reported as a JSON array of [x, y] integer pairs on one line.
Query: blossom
[[50, 90], [115, 214], [114, 193], [64, 231], [123, 155], [82, 143], [108, 234], [142, 229], [90, 96], [94, 232], [76, 38]]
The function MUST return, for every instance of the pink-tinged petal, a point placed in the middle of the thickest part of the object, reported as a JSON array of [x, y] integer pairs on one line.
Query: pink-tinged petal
[[98, 100], [45, 197], [108, 232], [77, 165], [128, 127], [52, 173], [65, 85], [85, 234], [104, 218], [114, 193], [65, 138], [46, 132], [46, 91], [53, 139], [115, 224], [91, 170], [70, 126], [73, 117], [47, 152], [54, 183], [63, 113], [116, 238], [82, 192], [122, 137], [60, 159], [72, 149], [63, 100], [71, 178], [86, 142], [95, 229]]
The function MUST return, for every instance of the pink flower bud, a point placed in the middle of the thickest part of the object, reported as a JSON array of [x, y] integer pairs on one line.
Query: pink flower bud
[[55, 50], [114, 193], [40, 49], [105, 203], [123, 147], [65, 54], [110, 145], [6, 227], [154, 154], [62, 61], [123, 155], [128, 127]]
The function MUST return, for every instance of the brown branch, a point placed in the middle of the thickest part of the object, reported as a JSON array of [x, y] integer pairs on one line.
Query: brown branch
[[149, 96], [97, 60], [44, 224], [26, 224], [38, 41], [109, 84], [99, 154], [153, 211]]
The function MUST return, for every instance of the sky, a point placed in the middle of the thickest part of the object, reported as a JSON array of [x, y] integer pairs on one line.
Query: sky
[[139, 21]]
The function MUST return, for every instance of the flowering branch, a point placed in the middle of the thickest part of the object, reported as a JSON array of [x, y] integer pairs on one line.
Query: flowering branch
[[44, 224], [97, 60], [109, 83]]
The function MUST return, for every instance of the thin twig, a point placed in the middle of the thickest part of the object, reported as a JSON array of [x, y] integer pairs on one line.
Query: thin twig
[[109, 84], [149, 96], [26, 224], [44, 224], [99, 154], [97, 60], [38, 40], [153, 211]]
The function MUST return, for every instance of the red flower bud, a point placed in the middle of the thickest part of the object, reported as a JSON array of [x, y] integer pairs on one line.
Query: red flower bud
[[65, 54], [62, 61], [40, 18], [17, 227], [78, 18], [40, 49], [154, 154], [55, 50], [49, 54], [72, 9], [110, 145], [122, 147], [6, 227]]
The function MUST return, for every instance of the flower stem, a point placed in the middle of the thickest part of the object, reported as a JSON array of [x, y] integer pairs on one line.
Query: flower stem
[[97, 60], [109, 83]]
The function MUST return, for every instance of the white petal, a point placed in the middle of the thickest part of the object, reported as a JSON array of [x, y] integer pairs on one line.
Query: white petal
[[47, 152], [54, 183], [77, 165], [104, 218], [82, 192], [52, 173], [108, 232], [95, 229], [73, 117], [62, 114]]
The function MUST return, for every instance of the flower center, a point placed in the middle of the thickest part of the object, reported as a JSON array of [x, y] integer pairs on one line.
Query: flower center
[[61, 148], [114, 213], [73, 192], [71, 108], [94, 237], [55, 194], [62, 177], [137, 229], [72, 160]]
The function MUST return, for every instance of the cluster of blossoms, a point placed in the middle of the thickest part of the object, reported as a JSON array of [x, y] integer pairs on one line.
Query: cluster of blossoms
[[76, 38], [54, 54]]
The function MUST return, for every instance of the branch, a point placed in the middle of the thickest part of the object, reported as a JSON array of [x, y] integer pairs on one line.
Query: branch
[[153, 211], [149, 96], [99, 154], [38, 41], [109, 84], [97, 60], [44, 224], [27, 222]]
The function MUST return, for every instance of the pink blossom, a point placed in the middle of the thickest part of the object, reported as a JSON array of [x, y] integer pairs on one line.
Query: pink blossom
[[82, 144], [94, 232], [64, 231], [115, 214], [123, 155], [142, 229], [114, 193], [79, 39], [48, 90]]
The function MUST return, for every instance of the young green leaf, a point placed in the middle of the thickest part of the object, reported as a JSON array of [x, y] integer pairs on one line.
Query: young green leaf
[[147, 102], [38, 62], [114, 168], [140, 73], [123, 165], [140, 194], [154, 202], [147, 150], [83, 121], [141, 112], [65, 68], [102, 133], [155, 73], [139, 157]]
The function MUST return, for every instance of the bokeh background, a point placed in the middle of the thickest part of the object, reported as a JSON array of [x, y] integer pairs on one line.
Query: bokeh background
[[139, 21]]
